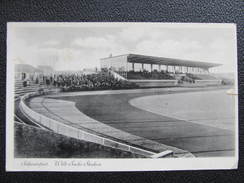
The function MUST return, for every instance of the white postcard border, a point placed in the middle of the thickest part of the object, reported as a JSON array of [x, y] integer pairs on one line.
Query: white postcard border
[[39, 164]]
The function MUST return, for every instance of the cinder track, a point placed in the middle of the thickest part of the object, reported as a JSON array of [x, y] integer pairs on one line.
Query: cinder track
[[114, 110]]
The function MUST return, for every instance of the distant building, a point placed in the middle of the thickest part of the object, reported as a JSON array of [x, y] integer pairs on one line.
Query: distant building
[[45, 69], [24, 71]]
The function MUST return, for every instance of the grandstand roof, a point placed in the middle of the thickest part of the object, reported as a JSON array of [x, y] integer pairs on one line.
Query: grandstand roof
[[134, 58]]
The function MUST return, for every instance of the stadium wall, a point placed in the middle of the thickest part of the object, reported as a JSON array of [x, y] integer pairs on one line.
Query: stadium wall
[[208, 82], [155, 83]]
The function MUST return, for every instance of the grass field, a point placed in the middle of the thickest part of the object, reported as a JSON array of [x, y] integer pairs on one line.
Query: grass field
[[200, 139], [212, 108]]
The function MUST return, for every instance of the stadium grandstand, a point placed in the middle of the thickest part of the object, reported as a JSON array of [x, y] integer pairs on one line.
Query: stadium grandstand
[[118, 72], [135, 67], [27, 79]]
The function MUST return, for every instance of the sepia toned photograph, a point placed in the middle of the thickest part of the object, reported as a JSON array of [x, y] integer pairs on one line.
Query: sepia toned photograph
[[121, 96]]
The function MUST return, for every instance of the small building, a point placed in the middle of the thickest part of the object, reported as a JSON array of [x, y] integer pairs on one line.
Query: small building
[[25, 71]]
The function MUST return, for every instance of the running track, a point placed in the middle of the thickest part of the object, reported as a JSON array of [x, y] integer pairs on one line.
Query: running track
[[114, 110]]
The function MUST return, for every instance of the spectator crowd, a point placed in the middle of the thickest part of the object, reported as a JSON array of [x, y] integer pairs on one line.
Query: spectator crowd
[[149, 75], [78, 82]]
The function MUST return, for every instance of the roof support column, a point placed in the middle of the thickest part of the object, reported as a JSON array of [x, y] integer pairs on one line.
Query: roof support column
[[133, 66], [151, 67], [167, 68], [159, 68], [142, 66]]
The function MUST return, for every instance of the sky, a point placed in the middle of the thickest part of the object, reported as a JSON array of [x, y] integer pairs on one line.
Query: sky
[[81, 45]]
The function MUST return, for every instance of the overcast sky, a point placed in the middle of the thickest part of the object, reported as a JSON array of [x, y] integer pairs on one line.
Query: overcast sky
[[74, 46]]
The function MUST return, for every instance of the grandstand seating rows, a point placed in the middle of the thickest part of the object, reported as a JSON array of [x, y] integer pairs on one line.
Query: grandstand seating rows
[[148, 75], [101, 80], [20, 89], [164, 75], [105, 80]]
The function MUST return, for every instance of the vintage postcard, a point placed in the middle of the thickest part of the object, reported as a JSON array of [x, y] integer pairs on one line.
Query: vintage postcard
[[121, 97]]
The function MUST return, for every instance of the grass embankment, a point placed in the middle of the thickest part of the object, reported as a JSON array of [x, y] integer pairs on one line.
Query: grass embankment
[[31, 142]]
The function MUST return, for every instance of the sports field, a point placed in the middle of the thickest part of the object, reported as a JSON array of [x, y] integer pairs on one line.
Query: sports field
[[212, 108], [200, 122]]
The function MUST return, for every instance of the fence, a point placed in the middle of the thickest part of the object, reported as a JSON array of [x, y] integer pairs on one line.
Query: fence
[[155, 83], [208, 82], [76, 133]]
